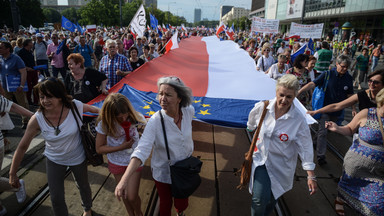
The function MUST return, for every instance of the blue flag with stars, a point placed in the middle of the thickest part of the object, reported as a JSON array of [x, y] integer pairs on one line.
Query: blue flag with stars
[[154, 21], [67, 24]]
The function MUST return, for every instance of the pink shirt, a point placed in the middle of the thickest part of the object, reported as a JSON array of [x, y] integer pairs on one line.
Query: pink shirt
[[57, 60]]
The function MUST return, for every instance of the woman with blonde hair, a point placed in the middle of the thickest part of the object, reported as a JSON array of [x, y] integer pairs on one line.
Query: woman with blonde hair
[[19, 45], [266, 60], [117, 136]]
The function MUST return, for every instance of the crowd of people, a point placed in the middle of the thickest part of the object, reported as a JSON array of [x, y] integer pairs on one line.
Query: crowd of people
[[63, 72]]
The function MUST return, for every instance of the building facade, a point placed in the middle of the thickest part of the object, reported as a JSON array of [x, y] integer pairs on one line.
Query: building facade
[[224, 9], [235, 13], [257, 9], [197, 17], [366, 17]]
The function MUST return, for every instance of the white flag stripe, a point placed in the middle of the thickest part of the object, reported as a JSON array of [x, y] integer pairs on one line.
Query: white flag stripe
[[139, 21]]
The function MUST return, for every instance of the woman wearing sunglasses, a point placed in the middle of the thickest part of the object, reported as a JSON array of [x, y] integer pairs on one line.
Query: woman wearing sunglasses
[[265, 61], [365, 99]]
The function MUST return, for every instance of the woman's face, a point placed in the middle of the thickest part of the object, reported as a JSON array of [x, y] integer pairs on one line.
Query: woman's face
[[304, 63], [133, 53], [168, 98], [266, 51], [364, 52], [49, 102], [280, 63], [311, 64], [284, 97], [122, 117], [375, 84], [73, 66]]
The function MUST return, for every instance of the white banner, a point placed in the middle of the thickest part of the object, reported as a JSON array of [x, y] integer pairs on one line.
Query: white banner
[[295, 8], [313, 31], [264, 25], [139, 22]]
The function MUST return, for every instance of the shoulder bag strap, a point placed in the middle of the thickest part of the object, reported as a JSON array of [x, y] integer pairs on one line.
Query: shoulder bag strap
[[165, 136], [326, 80], [381, 125], [256, 136], [76, 113]]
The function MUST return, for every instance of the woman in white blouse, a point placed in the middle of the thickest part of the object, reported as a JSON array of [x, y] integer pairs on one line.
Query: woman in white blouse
[[175, 100], [278, 70], [284, 135], [266, 61]]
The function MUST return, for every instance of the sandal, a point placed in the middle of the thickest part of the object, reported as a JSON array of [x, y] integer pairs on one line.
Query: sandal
[[339, 206]]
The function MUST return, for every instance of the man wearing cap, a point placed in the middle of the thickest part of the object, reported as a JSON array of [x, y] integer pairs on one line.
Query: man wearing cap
[[152, 50], [12, 64], [40, 53], [139, 46]]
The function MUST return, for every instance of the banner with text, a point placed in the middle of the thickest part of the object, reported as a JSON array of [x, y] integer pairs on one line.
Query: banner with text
[[294, 9], [313, 31], [265, 25], [139, 22]]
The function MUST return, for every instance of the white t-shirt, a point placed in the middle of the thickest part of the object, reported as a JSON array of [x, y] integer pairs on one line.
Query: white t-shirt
[[267, 62], [66, 148], [5, 106], [274, 71], [122, 157]]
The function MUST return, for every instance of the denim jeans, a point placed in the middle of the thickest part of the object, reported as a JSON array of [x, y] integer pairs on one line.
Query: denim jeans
[[263, 201], [375, 61]]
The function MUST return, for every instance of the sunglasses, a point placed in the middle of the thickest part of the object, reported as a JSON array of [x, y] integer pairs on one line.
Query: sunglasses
[[374, 82]]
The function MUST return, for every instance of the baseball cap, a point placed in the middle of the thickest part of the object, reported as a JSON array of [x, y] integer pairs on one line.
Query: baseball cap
[[39, 35]]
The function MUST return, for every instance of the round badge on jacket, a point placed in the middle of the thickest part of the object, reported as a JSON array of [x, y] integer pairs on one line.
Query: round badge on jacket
[[284, 137]]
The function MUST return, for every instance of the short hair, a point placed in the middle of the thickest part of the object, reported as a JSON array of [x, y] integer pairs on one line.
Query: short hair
[[19, 42], [110, 41], [114, 105], [53, 87], [325, 45], [300, 58], [26, 42], [133, 48], [365, 48], [380, 98], [264, 48], [343, 59], [377, 72], [7, 45], [77, 58], [282, 57], [82, 37], [252, 41], [183, 91], [312, 58], [146, 47], [288, 81]]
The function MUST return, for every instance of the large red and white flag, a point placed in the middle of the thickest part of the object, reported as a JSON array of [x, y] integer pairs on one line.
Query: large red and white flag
[[222, 76], [173, 43]]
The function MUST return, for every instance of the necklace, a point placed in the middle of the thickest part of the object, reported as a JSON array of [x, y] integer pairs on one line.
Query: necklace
[[57, 130]]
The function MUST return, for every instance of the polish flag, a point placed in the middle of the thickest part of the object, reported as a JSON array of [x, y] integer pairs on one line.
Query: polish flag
[[230, 33], [164, 28], [220, 29], [173, 43], [223, 78], [183, 27]]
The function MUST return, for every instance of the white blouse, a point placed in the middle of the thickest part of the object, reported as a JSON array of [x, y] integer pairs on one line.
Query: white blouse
[[280, 142], [66, 148], [180, 143], [123, 157], [274, 71], [266, 61]]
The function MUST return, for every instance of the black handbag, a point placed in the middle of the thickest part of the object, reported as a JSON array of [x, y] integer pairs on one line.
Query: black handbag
[[88, 139], [184, 174]]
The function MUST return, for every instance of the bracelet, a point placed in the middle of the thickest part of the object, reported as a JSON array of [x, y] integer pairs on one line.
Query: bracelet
[[313, 178]]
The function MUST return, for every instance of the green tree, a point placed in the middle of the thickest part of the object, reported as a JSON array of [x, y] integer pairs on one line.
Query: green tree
[[100, 12], [129, 10], [71, 14], [51, 15], [30, 13]]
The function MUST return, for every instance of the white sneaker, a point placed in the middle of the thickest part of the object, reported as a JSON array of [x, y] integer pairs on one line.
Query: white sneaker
[[3, 211], [20, 194]]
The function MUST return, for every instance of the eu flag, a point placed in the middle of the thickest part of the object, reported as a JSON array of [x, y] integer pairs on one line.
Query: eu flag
[[154, 21], [67, 24]]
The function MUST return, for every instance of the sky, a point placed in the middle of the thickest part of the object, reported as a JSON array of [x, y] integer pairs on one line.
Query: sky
[[210, 9]]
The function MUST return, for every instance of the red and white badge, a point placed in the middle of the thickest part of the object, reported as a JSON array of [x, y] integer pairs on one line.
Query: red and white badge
[[284, 137]]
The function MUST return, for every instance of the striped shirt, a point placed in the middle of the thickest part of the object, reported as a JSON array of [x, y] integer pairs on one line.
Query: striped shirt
[[109, 66], [5, 106]]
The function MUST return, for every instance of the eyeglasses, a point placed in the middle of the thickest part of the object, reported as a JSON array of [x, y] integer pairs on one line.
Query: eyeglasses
[[343, 66], [374, 82], [267, 50]]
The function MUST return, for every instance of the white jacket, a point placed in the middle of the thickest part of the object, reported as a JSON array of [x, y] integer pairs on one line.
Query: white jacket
[[279, 143]]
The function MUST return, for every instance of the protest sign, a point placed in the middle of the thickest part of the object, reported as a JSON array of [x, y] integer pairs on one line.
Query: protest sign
[[264, 25], [307, 31], [139, 22]]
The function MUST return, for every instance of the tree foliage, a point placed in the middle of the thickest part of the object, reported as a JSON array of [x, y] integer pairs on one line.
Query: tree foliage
[[104, 12], [242, 23], [30, 13], [51, 15], [206, 23], [71, 14]]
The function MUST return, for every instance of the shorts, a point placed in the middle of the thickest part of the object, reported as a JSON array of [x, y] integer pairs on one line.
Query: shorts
[[119, 170]]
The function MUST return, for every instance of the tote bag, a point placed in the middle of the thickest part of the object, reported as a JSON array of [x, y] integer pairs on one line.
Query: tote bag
[[318, 96]]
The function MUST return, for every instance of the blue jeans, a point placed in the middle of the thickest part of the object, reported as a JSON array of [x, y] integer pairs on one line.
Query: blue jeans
[[375, 61], [263, 201], [56, 71]]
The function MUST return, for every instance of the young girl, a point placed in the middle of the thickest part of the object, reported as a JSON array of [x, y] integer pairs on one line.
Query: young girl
[[117, 136]]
